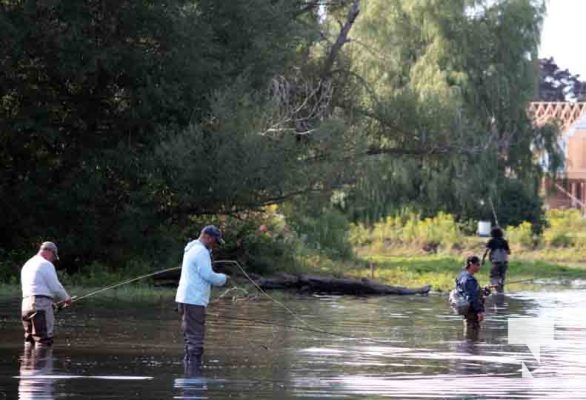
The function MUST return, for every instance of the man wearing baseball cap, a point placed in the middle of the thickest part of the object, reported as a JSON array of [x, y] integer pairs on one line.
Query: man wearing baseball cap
[[193, 293], [40, 289]]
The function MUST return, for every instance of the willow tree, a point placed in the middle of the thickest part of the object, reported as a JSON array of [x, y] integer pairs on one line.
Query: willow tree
[[444, 86]]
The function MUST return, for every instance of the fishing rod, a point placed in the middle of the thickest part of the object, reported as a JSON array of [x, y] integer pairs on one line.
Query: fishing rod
[[60, 305], [496, 219], [522, 280], [517, 281], [74, 299], [126, 282]]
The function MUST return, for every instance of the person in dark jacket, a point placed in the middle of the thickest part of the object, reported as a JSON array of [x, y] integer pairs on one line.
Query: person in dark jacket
[[468, 286], [497, 249]]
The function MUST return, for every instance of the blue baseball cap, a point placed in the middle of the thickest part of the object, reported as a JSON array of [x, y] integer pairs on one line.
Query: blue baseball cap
[[213, 231]]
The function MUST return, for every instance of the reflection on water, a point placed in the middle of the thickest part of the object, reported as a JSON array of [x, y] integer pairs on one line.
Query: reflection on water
[[191, 388], [35, 365], [391, 347]]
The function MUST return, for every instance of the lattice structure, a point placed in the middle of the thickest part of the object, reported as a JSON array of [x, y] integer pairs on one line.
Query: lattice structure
[[565, 112], [571, 192]]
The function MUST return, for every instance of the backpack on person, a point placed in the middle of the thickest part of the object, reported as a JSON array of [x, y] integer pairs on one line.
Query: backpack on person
[[459, 302], [499, 255]]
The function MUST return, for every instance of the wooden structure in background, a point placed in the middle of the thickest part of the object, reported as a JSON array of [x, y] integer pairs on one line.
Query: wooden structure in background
[[570, 191]]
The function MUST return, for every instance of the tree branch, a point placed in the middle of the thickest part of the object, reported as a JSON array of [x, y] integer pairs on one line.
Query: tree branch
[[342, 37]]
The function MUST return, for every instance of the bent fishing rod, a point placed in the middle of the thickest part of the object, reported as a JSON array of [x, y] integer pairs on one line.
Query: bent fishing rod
[[126, 282], [60, 305]]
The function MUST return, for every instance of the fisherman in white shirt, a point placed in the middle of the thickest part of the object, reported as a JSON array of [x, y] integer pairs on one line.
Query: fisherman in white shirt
[[193, 294], [40, 289]]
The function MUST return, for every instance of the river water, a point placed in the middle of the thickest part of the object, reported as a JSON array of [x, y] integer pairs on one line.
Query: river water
[[381, 347]]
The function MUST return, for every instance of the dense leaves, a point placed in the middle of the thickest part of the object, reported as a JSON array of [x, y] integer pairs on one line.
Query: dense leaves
[[103, 101], [557, 84], [446, 86], [125, 124]]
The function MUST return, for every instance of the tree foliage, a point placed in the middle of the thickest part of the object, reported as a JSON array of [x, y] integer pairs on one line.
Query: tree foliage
[[122, 124], [556, 84], [445, 90], [118, 116]]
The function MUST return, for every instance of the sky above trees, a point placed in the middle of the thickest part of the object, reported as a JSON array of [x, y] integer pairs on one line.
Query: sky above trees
[[563, 25]]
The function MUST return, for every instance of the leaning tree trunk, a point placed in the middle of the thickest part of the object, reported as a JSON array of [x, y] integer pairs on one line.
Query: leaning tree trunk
[[323, 284], [312, 284]]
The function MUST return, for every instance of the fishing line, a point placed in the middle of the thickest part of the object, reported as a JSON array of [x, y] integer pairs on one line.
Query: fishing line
[[522, 280], [234, 262], [122, 283], [302, 328], [496, 219], [307, 327]]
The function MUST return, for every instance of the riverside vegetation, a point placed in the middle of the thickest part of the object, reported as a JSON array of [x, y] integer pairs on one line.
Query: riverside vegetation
[[405, 251], [148, 120], [122, 135]]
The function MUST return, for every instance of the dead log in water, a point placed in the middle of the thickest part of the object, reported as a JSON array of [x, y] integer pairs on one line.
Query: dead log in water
[[313, 284], [330, 285]]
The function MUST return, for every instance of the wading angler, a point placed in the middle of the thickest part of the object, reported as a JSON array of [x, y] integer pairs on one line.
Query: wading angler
[[193, 293], [40, 290]]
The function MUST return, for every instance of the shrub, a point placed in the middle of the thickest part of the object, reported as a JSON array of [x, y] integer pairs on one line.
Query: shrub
[[522, 235], [429, 234]]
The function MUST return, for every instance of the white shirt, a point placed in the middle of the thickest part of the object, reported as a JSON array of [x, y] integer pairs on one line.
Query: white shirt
[[197, 275], [39, 278]]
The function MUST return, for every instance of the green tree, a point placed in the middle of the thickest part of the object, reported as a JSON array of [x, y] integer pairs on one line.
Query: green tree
[[556, 84], [124, 123], [112, 111], [445, 86]]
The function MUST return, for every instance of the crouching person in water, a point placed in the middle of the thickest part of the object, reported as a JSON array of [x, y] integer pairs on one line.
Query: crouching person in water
[[468, 286], [193, 294]]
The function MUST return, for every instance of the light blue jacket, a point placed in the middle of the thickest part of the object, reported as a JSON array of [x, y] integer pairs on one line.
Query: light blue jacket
[[197, 275]]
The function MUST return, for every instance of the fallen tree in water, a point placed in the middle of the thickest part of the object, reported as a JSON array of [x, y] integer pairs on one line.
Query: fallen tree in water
[[324, 284], [315, 284]]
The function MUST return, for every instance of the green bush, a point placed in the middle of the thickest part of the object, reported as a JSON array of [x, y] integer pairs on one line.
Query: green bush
[[11, 261], [320, 227], [430, 234], [522, 235]]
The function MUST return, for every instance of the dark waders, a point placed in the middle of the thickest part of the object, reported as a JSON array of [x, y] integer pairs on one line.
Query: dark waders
[[471, 325], [193, 328], [498, 274]]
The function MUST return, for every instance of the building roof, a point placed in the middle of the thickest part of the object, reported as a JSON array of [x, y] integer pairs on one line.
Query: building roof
[[565, 112]]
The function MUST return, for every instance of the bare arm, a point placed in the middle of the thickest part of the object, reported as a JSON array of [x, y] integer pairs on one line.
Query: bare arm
[[485, 254]]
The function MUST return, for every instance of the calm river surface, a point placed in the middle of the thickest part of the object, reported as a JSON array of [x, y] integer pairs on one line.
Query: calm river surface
[[384, 347]]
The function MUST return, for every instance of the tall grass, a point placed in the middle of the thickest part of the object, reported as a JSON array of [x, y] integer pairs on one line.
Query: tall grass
[[398, 233], [563, 240]]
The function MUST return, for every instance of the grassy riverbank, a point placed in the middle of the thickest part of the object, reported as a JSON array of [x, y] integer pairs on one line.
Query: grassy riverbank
[[440, 272]]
